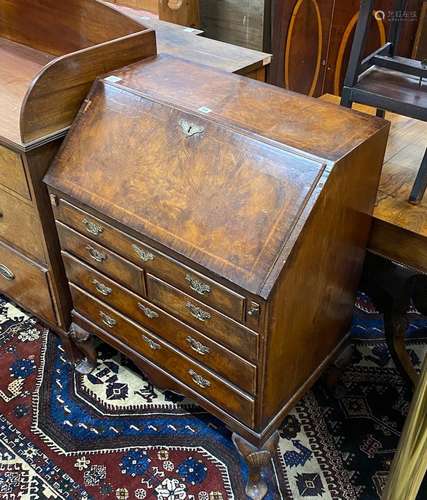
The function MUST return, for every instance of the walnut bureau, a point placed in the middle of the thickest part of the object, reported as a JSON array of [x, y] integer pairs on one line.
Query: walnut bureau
[[213, 229], [46, 70]]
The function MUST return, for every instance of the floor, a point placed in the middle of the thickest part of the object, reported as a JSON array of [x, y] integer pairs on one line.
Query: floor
[[399, 228], [113, 435]]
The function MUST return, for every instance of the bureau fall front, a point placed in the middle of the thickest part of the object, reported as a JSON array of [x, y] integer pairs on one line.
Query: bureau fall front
[[213, 229]]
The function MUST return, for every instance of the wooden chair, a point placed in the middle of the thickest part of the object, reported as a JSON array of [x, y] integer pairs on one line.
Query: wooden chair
[[386, 81]]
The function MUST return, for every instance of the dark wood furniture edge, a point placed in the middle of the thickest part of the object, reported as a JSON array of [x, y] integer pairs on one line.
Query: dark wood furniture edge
[[399, 244]]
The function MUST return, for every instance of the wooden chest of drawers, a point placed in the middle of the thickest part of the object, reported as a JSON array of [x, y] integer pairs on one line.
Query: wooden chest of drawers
[[46, 70], [213, 229]]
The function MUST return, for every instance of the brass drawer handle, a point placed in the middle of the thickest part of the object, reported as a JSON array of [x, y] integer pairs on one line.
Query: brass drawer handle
[[254, 310], [6, 273], [151, 344], [197, 285], [198, 313], [198, 346], [96, 254], [147, 311], [107, 320], [92, 227], [102, 289], [144, 255], [199, 380]]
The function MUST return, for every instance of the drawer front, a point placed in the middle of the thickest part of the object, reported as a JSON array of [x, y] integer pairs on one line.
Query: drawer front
[[99, 257], [153, 261], [12, 173], [203, 318], [165, 356], [19, 225], [215, 357], [26, 283]]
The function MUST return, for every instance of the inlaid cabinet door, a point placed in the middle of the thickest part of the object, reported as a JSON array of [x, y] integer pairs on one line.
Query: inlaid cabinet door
[[311, 40], [345, 17], [300, 35]]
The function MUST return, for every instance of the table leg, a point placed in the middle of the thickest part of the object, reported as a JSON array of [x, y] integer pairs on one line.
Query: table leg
[[395, 325], [393, 288]]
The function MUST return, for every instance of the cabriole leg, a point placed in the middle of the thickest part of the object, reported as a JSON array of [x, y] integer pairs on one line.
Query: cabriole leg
[[256, 459], [86, 347]]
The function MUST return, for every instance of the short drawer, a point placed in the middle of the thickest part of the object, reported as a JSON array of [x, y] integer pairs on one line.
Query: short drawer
[[204, 350], [25, 282], [204, 382], [214, 324], [19, 225], [99, 257], [153, 261], [12, 173]]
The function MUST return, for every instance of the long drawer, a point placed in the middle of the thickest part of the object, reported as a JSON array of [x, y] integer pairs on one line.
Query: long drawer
[[19, 225], [98, 256], [26, 282], [153, 261], [165, 356], [12, 173], [204, 350], [204, 318]]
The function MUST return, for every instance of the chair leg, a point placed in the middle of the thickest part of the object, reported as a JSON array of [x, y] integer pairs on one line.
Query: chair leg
[[396, 25], [359, 42], [395, 326], [420, 184], [346, 97]]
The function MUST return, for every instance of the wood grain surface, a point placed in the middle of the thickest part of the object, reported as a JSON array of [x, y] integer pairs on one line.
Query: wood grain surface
[[239, 22], [331, 133], [18, 66], [57, 93], [400, 228], [27, 282], [164, 355], [182, 42], [311, 40], [257, 189], [12, 173], [59, 28], [166, 164], [206, 350]]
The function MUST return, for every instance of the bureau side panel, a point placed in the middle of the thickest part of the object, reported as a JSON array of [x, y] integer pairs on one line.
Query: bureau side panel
[[311, 306]]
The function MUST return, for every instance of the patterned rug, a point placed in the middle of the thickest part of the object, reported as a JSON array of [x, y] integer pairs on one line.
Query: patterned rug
[[112, 435]]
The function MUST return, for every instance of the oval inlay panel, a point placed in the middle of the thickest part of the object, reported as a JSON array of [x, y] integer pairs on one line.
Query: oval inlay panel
[[344, 46], [301, 58]]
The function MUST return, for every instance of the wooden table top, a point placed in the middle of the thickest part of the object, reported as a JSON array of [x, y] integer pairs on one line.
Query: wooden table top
[[182, 42], [18, 66], [400, 229]]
